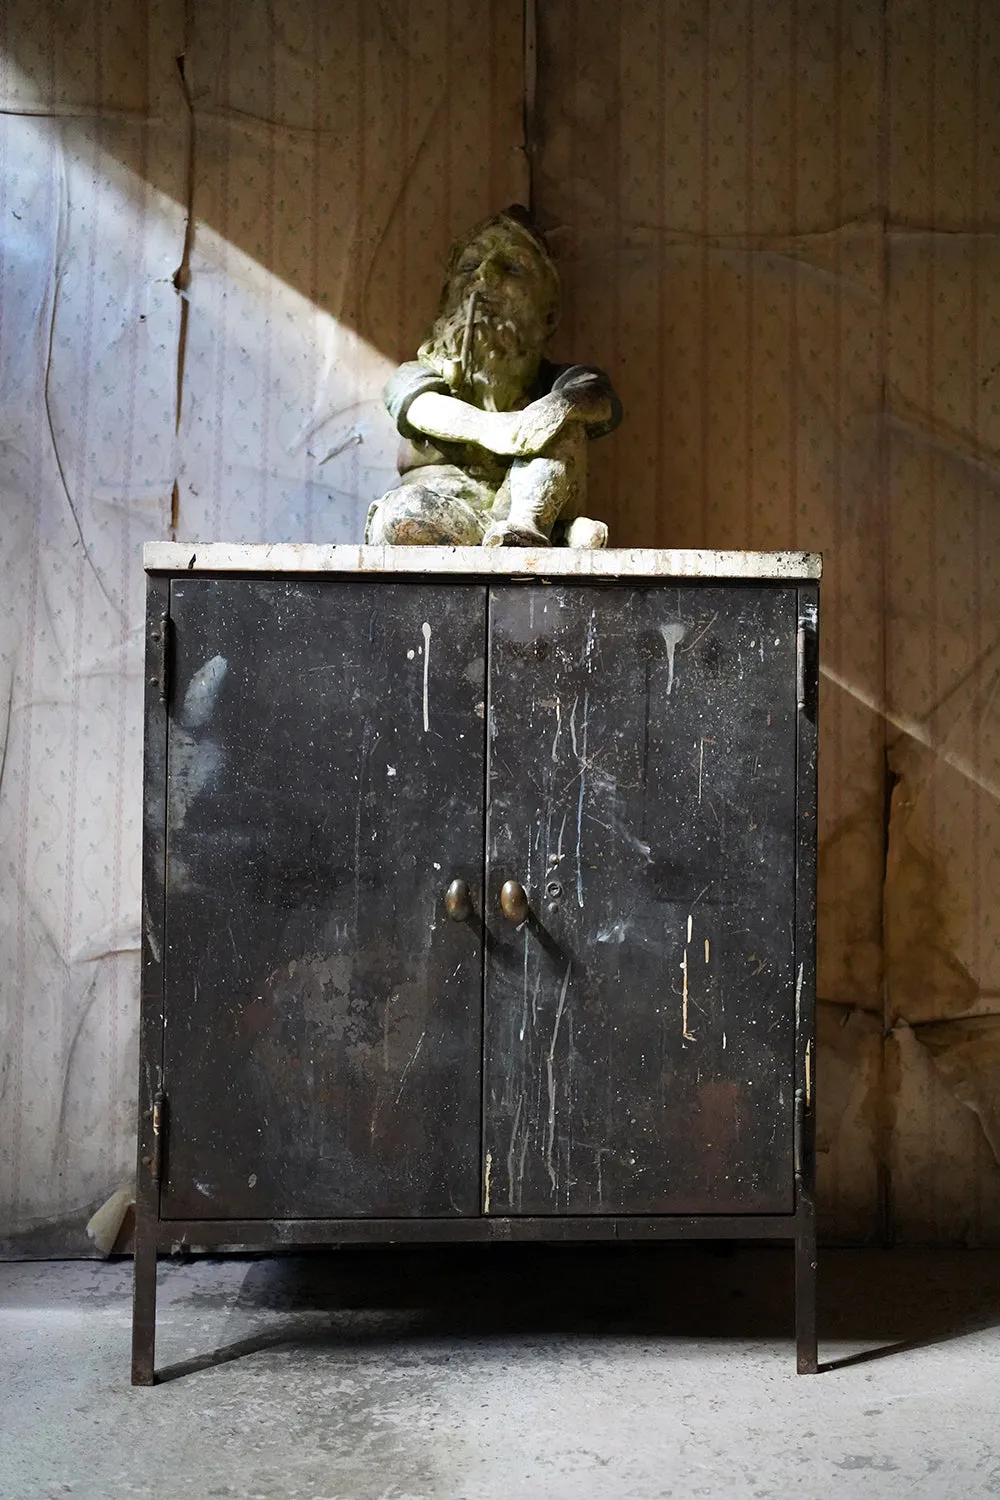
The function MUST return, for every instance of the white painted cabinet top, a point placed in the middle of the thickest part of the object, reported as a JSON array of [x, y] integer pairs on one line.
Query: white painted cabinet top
[[492, 562]]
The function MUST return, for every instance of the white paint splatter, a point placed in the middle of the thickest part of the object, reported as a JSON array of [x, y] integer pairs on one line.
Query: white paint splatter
[[427, 662], [579, 800], [684, 1001], [412, 1059], [362, 760], [486, 1194], [549, 1069], [390, 770], [591, 638], [673, 632]]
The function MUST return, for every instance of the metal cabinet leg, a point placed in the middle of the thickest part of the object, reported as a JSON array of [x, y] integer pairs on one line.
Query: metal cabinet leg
[[144, 1306], [806, 1352]]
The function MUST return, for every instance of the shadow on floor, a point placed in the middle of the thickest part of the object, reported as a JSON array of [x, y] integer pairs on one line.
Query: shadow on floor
[[894, 1300]]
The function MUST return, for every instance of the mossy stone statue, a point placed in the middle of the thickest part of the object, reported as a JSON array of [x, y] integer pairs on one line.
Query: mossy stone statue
[[495, 436]]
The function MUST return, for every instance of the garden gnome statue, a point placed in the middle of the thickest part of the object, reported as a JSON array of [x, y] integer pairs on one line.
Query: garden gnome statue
[[494, 449]]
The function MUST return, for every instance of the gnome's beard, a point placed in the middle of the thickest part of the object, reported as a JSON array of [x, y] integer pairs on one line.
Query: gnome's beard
[[501, 364]]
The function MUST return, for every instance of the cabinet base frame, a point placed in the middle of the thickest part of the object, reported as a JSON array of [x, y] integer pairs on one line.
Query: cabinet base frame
[[253, 1235]]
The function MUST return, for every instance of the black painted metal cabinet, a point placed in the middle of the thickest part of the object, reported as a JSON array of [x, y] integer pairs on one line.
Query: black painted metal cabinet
[[331, 1050]]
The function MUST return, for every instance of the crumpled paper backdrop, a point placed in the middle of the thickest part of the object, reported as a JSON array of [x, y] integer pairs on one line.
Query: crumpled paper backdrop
[[778, 223]]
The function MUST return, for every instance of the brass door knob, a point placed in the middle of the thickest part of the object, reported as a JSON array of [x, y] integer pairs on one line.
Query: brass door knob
[[458, 901], [514, 901]]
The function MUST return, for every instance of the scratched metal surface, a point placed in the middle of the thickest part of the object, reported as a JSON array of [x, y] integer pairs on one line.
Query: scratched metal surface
[[323, 1018], [639, 1028]]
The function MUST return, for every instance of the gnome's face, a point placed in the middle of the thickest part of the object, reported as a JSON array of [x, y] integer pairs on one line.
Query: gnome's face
[[516, 290]]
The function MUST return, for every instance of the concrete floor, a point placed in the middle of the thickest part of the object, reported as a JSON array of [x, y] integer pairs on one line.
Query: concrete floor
[[492, 1373]]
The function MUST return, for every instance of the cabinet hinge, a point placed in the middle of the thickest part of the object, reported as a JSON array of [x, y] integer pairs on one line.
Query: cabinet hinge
[[798, 1132], [159, 1135], [162, 638]]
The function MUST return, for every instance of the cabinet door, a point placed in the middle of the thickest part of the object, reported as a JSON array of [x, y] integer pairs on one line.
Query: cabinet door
[[323, 1028], [640, 1024]]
